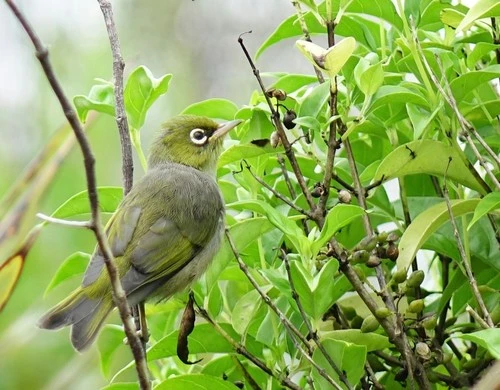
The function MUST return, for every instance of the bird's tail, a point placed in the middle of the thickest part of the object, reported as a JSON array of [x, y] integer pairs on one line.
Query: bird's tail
[[85, 314]]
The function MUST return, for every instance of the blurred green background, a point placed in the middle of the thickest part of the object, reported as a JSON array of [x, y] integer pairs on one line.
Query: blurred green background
[[196, 41]]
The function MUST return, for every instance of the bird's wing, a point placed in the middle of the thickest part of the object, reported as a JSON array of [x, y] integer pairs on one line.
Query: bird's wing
[[149, 243]]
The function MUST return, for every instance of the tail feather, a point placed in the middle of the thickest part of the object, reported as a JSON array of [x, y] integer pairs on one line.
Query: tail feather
[[85, 314]]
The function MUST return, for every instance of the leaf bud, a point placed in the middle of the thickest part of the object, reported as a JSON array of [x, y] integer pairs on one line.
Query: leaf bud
[[360, 256], [382, 237], [382, 312], [373, 261], [423, 351], [370, 324], [416, 306], [400, 275], [392, 252], [367, 243], [344, 196], [416, 278]]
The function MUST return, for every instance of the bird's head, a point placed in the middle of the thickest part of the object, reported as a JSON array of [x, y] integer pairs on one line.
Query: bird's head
[[190, 140]]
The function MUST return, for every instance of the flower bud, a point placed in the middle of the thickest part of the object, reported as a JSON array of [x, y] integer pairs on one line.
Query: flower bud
[[423, 351], [344, 196], [382, 312], [370, 324], [416, 278], [416, 306]]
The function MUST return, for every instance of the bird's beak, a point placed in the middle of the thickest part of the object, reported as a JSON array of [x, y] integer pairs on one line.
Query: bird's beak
[[224, 128]]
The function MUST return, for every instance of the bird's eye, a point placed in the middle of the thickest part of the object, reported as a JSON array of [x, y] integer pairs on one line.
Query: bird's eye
[[198, 136]]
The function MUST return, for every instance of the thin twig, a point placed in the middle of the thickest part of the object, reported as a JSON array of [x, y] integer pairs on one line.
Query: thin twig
[[119, 296], [477, 317], [251, 382], [65, 222], [283, 319], [281, 132], [463, 255], [240, 349], [278, 194], [121, 115], [313, 334], [123, 129]]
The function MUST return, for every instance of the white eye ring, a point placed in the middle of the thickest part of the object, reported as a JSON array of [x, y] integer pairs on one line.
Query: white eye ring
[[198, 136]]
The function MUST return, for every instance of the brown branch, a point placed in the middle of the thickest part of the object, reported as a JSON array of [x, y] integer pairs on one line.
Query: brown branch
[[280, 131], [121, 115], [119, 297]]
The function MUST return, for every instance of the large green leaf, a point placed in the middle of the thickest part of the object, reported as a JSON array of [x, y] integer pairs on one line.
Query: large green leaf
[[213, 108], [466, 83], [109, 199], [372, 341], [425, 224], [141, 92], [480, 9], [489, 203], [487, 338], [237, 153], [338, 217], [395, 94], [75, 264], [431, 157]]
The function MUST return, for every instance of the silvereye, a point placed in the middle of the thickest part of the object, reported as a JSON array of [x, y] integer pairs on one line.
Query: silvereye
[[164, 233]]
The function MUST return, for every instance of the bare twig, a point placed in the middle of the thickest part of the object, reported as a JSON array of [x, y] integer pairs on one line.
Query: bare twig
[[281, 132], [477, 317], [312, 332], [123, 129], [119, 297], [240, 349], [65, 222], [463, 255], [121, 115]]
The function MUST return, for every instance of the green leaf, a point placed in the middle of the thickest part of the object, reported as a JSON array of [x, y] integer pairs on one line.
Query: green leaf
[[213, 108], [427, 156], [109, 199], [487, 338], [420, 118], [338, 217], [101, 98], [372, 341], [451, 17], [141, 92], [368, 77], [237, 153], [204, 339], [481, 49], [244, 311], [329, 60], [74, 264], [314, 101], [195, 381], [466, 83], [291, 28], [350, 358], [110, 340], [308, 122], [292, 82], [480, 10], [489, 203], [282, 222], [425, 224], [395, 94], [10, 271], [243, 233]]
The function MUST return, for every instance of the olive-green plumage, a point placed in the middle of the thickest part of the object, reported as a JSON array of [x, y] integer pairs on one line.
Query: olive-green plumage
[[164, 233]]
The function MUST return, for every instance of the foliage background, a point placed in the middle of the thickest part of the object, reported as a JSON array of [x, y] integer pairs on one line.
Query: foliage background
[[201, 53]]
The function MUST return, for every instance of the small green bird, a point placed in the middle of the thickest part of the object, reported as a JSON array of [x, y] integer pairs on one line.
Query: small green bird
[[164, 233]]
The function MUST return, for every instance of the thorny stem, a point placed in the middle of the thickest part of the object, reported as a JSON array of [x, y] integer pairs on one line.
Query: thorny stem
[[119, 296], [463, 256]]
